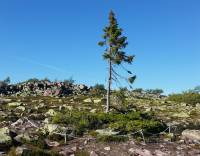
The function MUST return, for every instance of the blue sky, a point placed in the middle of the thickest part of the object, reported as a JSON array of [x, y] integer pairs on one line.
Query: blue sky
[[58, 39]]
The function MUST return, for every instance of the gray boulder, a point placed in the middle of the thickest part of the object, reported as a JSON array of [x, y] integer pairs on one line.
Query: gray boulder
[[192, 135], [5, 139]]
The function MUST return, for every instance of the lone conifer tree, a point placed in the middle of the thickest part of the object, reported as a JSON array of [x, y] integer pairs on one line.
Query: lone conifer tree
[[114, 54]]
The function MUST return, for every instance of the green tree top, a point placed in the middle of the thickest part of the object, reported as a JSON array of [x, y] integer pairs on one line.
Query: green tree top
[[115, 42]]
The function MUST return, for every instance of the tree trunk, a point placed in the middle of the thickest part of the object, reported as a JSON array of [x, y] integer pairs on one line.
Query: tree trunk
[[109, 86]]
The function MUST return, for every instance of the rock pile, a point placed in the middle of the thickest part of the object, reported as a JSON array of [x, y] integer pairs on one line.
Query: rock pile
[[43, 88]]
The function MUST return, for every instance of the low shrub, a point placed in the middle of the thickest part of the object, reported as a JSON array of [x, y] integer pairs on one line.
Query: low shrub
[[12, 152], [98, 89], [82, 153], [39, 143], [124, 123], [187, 97], [33, 152], [39, 152], [111, 138]]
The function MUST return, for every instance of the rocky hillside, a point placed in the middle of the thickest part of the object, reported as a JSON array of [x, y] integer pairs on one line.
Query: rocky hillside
[[42, 88], [72, 121]]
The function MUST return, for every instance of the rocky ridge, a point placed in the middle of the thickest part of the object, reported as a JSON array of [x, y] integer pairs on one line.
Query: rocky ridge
[[43, 88], [27, 121]]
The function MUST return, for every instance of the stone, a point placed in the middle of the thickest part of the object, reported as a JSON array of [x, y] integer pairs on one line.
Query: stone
[[5, 100], [74, 148], [88, 100], [45, 88], [20, 150], [82, 86], [107, 132], [21, 137], [51, 112], [69, 107], [57, 92], [2, 153], [181, 115], [131, 150], [107, 148], [96, 101], [160, 153], [3, 114], [143, 152], [14, 104], [193, 135], [46, 121], [132, 142], [85, 142], [148, 109], [21, 108], [198, 105], [66, 152], [52, 143], [5, 139], [41, 105], [17, 123], [51, 127], [93, 153], [183, 104], [93, 111]]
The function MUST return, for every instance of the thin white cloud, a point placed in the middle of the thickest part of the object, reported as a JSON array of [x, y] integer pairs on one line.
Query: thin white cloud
[[28, 60]]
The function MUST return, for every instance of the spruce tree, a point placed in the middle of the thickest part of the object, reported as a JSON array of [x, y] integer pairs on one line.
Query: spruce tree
[[115, 43]]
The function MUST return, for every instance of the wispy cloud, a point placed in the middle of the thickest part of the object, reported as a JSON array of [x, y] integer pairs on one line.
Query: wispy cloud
[[31, 61]]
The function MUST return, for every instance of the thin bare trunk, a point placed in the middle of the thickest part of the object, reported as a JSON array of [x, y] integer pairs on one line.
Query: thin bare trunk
[[109, 86]]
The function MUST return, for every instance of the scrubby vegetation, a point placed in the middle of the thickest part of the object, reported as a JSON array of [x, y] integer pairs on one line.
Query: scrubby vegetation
[[187, 97], [5, 82], [98, 89], [34, 152], [123, 123]]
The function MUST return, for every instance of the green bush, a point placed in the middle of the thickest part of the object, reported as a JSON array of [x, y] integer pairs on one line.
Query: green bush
[[34, 151], [111, 138], [154, 91], [33, 80], [121, 94], [39, 143], [82, 153], [125, 123], [98, 89], [39, 152], [69, 81], [187, 97], [138, 90], [12, 152]]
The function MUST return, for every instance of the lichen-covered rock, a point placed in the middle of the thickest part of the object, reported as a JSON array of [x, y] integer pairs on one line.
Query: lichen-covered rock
[[21, 108], [68, 107], [96, 101], [88, 100], [20, 150], [142, 152], [21, 137], [181, 115], [14, 104], [51, 128], [4, 100], [107, 132], [193, 135], [51, 112], [93, 110], [5, 139]]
